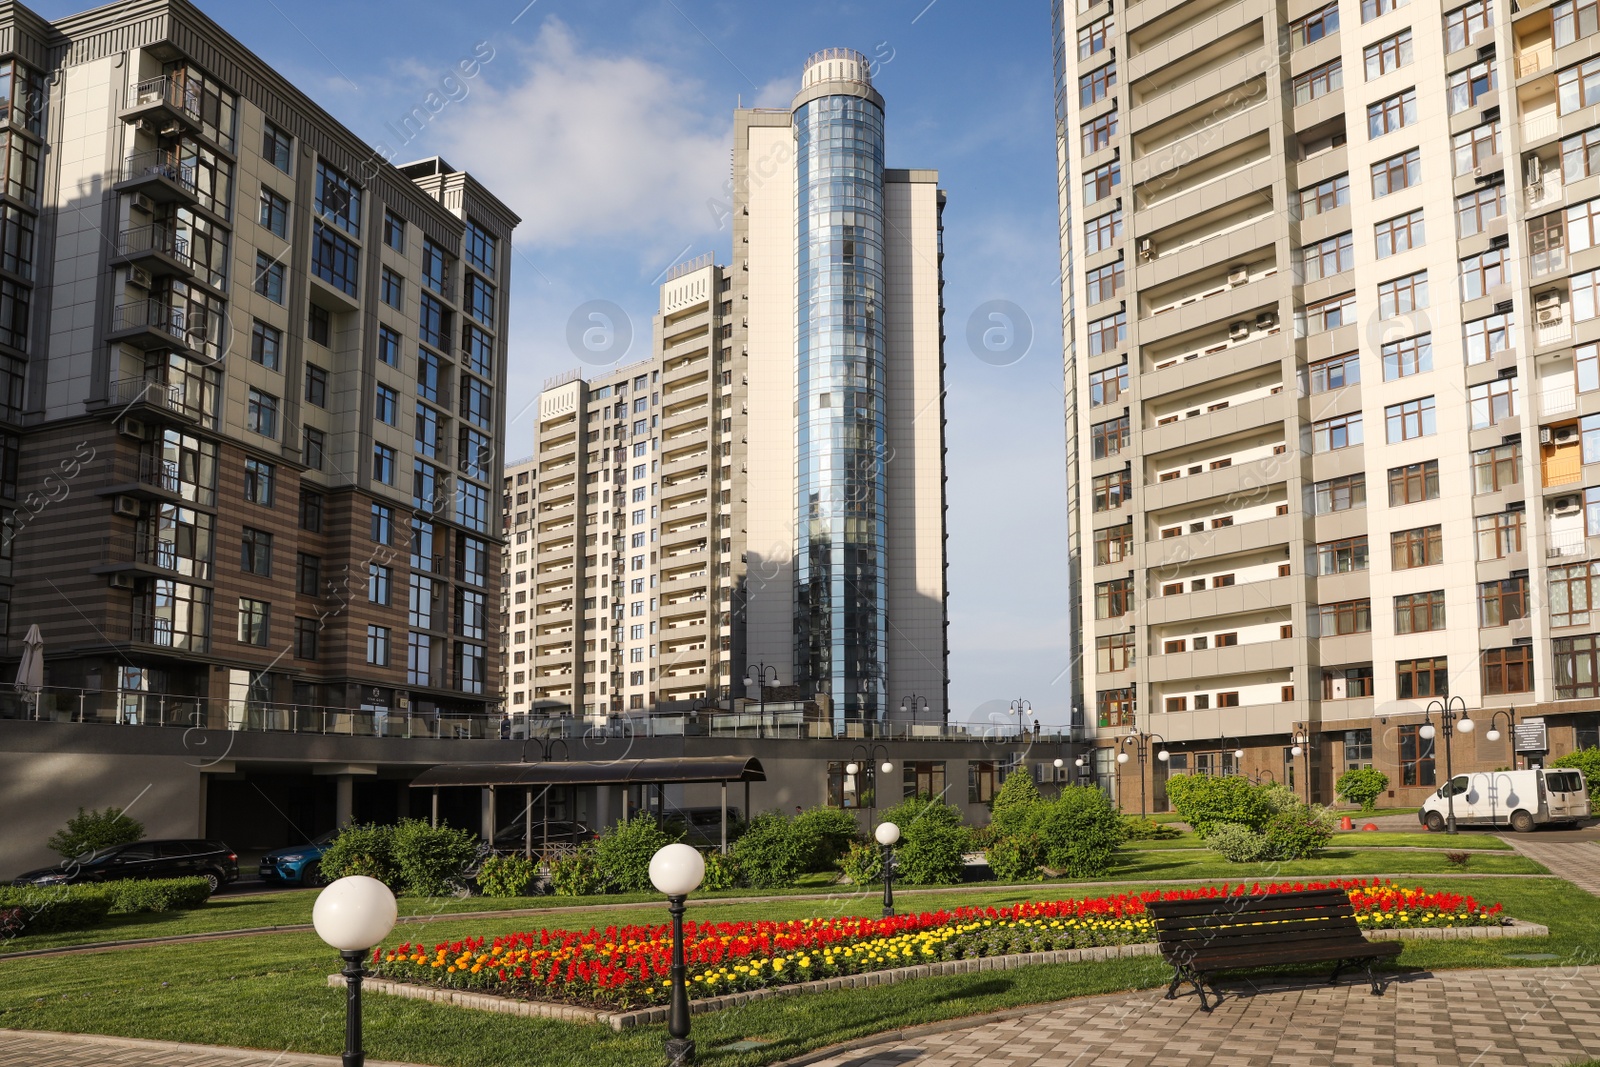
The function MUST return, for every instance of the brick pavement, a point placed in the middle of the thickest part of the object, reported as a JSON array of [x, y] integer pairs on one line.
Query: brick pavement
[[1575, 859], [22, 1048], [1515, 1018]]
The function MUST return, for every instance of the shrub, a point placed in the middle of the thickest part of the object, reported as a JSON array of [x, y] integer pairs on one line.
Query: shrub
[[1136, 829], [1081, 830], [1237, 842], [507, 876], [432, 860], [92, 831], [624, 851], [862, 864], [578, 874], [932, 841], [1297, 834], [363, 849], [826, 833], [722, 872], [13, 921], [770, 854], [1015, 805], [1204, 800], [51, 909], [1362, 785], [157, 895], [1016, 856], [1586, 760], [1458, 859]]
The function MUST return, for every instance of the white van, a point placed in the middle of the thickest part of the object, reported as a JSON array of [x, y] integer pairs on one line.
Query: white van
[[1520, 799]]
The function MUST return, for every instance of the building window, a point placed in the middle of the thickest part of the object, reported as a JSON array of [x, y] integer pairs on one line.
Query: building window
[[1472, 149], [851, 790], [1416, 757], [1475, 210], [386, 405], [1470, 84], [254, 624], [924, 778], [1507, 670], [1094, 86], [308, 575], [258, 479], [255, 552], [1333, 193], [1396, 173], [394, 231], [1482, 273], [277, 147], [1340, 494], [1308, 29], [1421, 547], [1335, 373], [983, 780], [383, 524], [1371, 9], [1099, 132], [383, 464], [1112, 491], [1580, 155], [1343, 556], [1392, 113], [388, 346], [1103, 283], [1497, 468], [1387, 55], [1109, 438], [1115, 707], [1100, 183], [1414, 483], [379, 579], [430, 375], [1105, 386], [313, 447], [1573, 591], [1416, 613], [1464, 23], [1328, 257], [1341, 431], [274, 213], [1407, 356], [1400, 296], [1577, 667], [1092, 38], [1114, 652], [266, 345], [269, 277], [1400, 234], [1502, 601], [338, 199], [1102, 232], [305, 637], [378, 646], [391, 289], [1330, 314], [1113, 599], [1409, 420], [1113, 544], [335, 259], [1345, 617], [1492, 401], [1488, 336], [1422, 679], [310, 511], [1347, 683], [1318, 82], [316, 385], [479, 246], [261, 413], [1499, 535]]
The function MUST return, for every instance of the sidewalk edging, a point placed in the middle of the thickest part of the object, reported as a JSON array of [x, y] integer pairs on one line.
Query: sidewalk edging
[[627, 1020]]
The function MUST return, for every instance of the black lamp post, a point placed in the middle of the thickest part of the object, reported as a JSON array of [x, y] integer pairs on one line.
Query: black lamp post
[[676, 870], [1450, 721], [1020, 708], [1302, 747], [913, 705], [867, 758], [756, 675], [547, 745], [1140, 743], [1493, 733], [352, 915], [888, 834]]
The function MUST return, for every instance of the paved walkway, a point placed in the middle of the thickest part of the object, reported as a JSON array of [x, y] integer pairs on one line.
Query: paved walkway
[[23, 1048], [1573, 858], [1545, 1016]]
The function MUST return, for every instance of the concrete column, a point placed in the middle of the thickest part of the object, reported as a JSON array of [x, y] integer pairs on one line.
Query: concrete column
[[344, 788], [602, 808], [486, 811]]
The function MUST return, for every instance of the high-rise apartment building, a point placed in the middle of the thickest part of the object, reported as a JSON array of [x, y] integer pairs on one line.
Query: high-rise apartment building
[[764, 497], [1331, 339], [254, 388]]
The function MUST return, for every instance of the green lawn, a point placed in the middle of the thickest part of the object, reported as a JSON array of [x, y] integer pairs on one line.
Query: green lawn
[[269, 992], [1336, 862], [1358, 839]]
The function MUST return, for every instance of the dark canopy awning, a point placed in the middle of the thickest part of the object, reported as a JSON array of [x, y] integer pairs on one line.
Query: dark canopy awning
[[594, 772]]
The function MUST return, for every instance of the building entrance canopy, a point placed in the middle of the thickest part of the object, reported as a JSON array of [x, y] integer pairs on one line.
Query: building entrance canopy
[[594, 772]]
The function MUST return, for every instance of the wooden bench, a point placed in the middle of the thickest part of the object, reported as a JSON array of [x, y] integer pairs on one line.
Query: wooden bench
[[1202, 937]]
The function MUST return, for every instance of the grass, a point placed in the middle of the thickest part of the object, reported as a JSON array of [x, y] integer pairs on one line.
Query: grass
[[269, 992], [1182, 857], [1358, 839]]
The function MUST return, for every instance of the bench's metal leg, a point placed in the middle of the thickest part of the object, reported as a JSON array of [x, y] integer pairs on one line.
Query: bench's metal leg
[[1200, 987], [1334, 978], [1377, 990], [1172, 988]]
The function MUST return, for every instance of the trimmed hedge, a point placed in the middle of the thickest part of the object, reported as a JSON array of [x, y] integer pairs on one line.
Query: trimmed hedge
[[157, 895], [50, 909], [1586, 760]]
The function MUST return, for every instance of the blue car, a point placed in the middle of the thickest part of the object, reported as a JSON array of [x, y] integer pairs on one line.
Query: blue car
[[297, 864]]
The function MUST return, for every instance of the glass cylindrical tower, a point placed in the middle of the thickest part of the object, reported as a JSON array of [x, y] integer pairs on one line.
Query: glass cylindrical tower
[[841, 572]]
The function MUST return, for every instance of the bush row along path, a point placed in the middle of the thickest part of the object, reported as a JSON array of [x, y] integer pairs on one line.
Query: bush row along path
[[1038, 890]]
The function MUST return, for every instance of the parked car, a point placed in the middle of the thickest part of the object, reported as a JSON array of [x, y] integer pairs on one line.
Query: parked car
[[703, 826], [561, 832], [297, 864], [1523, 800], [212, 860]]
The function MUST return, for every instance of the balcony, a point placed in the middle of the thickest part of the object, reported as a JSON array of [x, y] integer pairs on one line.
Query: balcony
[[157, 248], [164, 101], [155, 324], [1534, 55], [169, 397], [1540, 123], [162, 175]]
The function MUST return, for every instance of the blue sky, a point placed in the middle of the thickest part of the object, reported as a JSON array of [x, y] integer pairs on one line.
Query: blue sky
[[607, 126]]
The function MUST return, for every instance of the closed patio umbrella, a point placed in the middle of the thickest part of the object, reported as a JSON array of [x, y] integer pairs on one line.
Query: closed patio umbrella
[[30, 672]]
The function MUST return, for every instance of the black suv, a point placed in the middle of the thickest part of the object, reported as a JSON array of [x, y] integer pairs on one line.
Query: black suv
[[212, 860]]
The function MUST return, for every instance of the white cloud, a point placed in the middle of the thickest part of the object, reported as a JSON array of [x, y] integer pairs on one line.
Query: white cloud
[[585, 145]]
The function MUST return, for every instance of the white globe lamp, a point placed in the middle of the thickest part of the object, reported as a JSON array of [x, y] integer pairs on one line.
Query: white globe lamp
[[1427, 731], [887, 835], [352, 915], [676, 870]]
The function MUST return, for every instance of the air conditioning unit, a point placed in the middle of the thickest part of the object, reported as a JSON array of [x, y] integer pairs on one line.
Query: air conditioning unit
[[1535, 170], [1147, 250], [1566, 505], [127, 506], [1238, 274], [1565, 435], [139, 278], [120, 580], [131, 428], [1338, 688], [1549, 316], [1550, 299], [1544, 435], [172, 129], [1266, 320], [143, 203], [1239, 330]]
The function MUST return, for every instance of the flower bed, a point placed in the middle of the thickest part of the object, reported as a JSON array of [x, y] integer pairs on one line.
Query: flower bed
[[627, 966]]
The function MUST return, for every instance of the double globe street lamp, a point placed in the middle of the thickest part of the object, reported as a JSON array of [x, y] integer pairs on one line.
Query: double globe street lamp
[[353, 915], [1449, 722], [865, 756], [1141, 747], [676, 870]]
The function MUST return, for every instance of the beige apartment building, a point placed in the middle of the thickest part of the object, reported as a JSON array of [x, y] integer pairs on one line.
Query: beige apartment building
[[756, 512], [1332, 359]]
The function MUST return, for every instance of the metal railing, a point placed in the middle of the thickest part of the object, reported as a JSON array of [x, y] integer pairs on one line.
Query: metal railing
[[176, 93], [161, 164], [154, 238], [151, 314]]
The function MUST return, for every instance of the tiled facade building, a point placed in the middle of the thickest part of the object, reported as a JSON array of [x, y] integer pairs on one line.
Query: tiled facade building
[[1329, 275]]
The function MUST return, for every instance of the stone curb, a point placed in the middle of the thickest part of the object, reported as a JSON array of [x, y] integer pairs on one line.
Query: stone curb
[[626, 1020]]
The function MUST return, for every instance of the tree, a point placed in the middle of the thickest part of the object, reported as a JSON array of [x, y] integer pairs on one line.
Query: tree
[[92, 831], [1362, 785], [1081, 830], [1586, 760], [1014, 805]]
